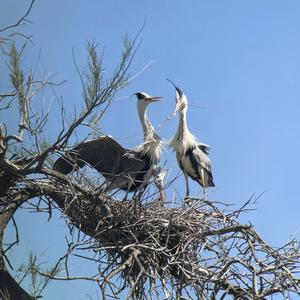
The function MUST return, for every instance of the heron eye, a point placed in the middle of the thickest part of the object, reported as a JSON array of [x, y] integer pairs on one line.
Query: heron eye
[[140, 96]]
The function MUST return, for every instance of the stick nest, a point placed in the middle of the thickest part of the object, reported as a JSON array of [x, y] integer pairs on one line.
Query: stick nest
[[196, 248]]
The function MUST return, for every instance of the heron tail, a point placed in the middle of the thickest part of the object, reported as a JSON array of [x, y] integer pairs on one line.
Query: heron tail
[[208, 179]]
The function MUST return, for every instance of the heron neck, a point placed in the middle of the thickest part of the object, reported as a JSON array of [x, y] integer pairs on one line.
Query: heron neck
[[152, 142], [147, 126], [182, 128]]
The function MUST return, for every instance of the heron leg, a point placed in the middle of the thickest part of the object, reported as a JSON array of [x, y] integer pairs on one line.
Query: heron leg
[[187, 190], [127, 192], [203, 181], [126, 195], [136, 198], [140, 193]]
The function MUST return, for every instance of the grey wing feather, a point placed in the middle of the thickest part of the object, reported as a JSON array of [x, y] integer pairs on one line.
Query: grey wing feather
[[108, 157], [205, 148], [133, 161], [102, 153], [203, 160]]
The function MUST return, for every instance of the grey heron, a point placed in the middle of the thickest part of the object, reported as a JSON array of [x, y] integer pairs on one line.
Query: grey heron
[[125, 169], [192, 155]]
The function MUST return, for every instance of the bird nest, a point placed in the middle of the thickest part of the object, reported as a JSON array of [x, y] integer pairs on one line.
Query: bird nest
[[197, 248]]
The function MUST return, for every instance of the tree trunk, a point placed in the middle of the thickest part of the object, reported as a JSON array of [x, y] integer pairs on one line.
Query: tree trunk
[[10, 289]]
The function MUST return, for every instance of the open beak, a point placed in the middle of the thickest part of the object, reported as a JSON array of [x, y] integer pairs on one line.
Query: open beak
[[153, 99]]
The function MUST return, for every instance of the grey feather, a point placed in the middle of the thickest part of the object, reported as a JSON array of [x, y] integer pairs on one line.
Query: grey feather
[[123, 168]]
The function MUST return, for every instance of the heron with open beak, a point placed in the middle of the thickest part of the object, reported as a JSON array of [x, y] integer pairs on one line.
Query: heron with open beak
[[125, 169], [192, 155]]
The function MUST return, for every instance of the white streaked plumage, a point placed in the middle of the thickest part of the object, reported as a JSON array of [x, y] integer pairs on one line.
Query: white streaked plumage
[[192, 155], [152, 142], [125, 169]]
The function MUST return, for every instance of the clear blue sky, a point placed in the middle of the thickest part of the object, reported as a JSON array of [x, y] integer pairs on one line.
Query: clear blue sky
[[238, 62]]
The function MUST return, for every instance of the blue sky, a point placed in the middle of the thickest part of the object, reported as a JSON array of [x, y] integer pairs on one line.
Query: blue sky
[[238, 62]]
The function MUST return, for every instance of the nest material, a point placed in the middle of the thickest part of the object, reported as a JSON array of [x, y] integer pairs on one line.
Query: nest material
[[196, 246]]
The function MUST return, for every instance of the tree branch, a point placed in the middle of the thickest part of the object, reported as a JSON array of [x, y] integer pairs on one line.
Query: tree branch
[[19, 22]]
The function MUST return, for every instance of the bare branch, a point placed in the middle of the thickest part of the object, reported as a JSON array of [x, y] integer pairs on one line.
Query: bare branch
[[21, 21]]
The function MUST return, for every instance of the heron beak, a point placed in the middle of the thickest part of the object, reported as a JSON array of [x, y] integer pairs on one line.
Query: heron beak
[[153, 99]]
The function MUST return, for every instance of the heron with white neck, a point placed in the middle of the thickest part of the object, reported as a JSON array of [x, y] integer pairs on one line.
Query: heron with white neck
[[192, 155], [125, 169]]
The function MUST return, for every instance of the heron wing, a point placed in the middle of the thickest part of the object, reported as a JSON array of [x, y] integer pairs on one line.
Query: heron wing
[[124, 168], [202, 160], [134, 161], [204, 147], [103, 154], [135, 166]]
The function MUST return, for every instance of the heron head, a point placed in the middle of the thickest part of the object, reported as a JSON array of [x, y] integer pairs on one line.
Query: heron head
[[147, 98], [180, 98]]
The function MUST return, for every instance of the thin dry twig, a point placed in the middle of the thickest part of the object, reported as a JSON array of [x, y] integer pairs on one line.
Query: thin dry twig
[[21, 20]]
